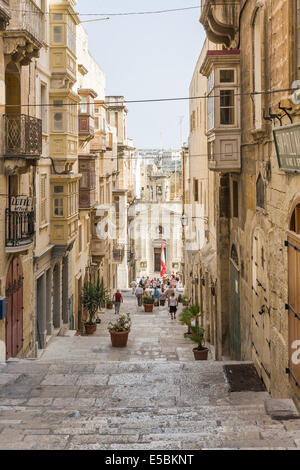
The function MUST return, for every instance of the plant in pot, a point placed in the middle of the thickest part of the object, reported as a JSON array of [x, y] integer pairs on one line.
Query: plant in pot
[[119, 331], [185, 300], [197, 336], [93, 296], [188, 315], [148, 304], [109, 304]]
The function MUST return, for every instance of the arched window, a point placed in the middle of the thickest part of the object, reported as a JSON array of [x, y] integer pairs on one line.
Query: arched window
[[295, 220], [260, 192], [234, 255]]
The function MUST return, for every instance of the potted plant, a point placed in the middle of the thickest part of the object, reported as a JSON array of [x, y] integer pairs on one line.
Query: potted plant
[[119, 331], [93, 296], [148, 304], [185, 300], [188, 315], [197, 336], [109, 304]]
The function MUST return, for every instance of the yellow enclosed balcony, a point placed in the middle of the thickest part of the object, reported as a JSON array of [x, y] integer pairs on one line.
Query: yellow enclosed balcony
[[222, 68], [64, 209]]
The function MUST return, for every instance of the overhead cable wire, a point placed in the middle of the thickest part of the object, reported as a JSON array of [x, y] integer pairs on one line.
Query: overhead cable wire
[[155, 100], [130, 13]]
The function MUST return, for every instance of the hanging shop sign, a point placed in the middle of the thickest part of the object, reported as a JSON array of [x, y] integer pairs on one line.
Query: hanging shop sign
[[21, 204], [287, 144]]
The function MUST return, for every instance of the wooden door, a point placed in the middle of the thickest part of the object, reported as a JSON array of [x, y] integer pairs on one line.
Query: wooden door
[[294, 310], [235, 311], [14, 317]]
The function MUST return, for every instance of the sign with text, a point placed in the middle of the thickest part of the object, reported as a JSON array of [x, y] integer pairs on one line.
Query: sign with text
[[287, 143]]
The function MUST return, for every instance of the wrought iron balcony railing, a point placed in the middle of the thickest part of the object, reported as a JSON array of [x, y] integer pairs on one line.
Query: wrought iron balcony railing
[[19, 228], [23, 136]]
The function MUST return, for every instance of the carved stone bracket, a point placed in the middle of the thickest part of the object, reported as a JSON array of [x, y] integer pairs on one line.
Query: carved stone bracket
[[220, 21], [20, 49]]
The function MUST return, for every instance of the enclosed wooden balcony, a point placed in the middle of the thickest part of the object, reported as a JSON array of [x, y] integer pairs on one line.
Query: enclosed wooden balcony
[[23, 37], [98, 144], [87, 185], [23, 136]]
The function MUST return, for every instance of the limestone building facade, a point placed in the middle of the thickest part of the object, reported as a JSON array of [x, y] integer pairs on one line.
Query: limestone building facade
[[251, 296], [54, 172], [155, 219]]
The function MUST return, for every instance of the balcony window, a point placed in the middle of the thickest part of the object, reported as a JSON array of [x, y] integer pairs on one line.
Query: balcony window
[[43, 199], [57, 34], [226, 76], [58, 207], [58, 122], [210, 113], [227, 111], [84, 106]]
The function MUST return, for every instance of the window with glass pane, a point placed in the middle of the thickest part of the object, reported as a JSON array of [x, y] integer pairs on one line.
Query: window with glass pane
[[84, 106], [58, 207], [210, 113], [226, 107], [58, 122], [226, 76], [57, 34]]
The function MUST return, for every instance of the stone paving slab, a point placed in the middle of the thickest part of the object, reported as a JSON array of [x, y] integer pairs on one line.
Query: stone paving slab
[[84, 394]]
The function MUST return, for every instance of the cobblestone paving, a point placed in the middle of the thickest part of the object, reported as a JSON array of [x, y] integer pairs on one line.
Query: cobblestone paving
[[82, 394]]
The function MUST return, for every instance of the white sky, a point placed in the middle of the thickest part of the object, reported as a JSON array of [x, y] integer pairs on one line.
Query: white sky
[[145, 57]]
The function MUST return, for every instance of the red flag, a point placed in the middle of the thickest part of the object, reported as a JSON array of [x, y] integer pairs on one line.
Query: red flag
[[163, 261]]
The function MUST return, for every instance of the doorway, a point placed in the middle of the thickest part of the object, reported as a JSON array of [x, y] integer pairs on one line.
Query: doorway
[[14, 317], [235, 304]]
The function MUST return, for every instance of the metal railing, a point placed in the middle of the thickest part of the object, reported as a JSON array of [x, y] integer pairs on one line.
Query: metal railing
[[23, 135], [19, 228], [26, 17]]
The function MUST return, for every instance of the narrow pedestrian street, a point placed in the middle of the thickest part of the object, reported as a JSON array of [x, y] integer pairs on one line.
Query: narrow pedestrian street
[[83, 394]]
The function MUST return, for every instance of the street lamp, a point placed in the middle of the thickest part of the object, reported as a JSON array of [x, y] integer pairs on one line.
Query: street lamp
[[185, 219]]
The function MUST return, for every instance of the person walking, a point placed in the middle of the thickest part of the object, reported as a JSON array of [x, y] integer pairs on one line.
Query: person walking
[[173, 303], [133, 285], [156, 296], [139, 295], [118, 299]]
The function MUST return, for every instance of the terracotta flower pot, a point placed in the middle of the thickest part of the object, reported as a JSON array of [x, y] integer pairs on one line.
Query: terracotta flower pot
[[109, 306], [90, 329], [119, 338], [148, 308], [200, 355]]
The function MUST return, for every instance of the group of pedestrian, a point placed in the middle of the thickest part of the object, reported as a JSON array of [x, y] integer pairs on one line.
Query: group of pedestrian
[[159, 290]]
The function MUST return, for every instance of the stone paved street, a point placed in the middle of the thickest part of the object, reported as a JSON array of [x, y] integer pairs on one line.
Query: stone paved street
[[83, 394]]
